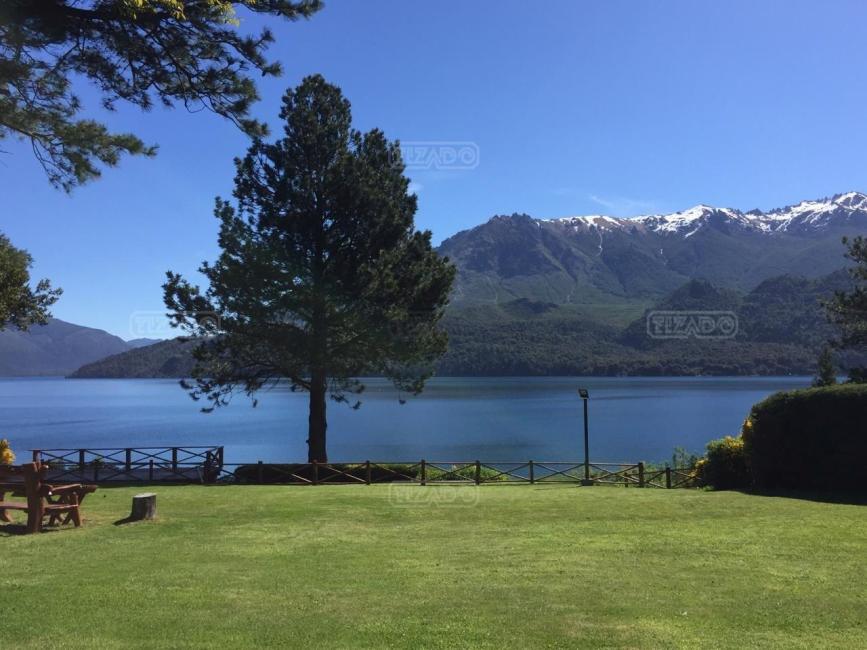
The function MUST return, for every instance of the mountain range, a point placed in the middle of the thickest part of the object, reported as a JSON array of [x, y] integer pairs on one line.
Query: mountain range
[[589, 263], [56, 348], [571, 295]]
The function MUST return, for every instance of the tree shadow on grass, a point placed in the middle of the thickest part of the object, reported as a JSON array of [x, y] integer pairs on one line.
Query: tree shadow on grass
[[15, 529], [841, 497], [131, 520], [9, 530]]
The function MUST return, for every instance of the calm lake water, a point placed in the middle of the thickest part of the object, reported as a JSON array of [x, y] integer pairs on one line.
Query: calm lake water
[[456, 419]]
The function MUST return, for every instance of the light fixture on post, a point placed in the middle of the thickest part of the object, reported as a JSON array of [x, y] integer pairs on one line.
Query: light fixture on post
[[584, 394]]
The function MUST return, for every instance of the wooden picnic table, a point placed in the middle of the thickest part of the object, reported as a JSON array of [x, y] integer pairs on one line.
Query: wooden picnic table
[[45, 504]]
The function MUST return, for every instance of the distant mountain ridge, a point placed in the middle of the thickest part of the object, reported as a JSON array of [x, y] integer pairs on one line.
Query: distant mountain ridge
[[56, 348], [172, 358], [804, 217], [587, 262], [142, 343]]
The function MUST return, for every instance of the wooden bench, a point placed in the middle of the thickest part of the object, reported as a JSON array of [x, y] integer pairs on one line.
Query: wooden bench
[[58, 504]]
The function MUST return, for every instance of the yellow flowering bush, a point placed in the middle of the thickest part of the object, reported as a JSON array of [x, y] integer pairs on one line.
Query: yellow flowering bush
[[725, 465], [6, 455]]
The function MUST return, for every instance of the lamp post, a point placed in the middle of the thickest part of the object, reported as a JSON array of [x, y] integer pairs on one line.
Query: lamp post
[[584, 394]]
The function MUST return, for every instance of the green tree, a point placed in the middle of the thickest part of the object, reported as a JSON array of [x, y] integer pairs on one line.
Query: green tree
[[848, 309], [21, 305], [322, 276], [826, 375], [137, 51]]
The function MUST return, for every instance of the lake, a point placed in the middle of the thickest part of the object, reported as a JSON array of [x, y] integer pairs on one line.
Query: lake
[[455, 419]]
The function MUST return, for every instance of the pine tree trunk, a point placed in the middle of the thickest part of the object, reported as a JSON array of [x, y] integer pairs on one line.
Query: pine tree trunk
[[317, 423]]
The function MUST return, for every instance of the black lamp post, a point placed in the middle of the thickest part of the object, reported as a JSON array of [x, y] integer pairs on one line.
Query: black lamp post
[[584, 394]]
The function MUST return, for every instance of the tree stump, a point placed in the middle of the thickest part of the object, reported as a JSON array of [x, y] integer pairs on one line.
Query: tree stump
[[144, 506]]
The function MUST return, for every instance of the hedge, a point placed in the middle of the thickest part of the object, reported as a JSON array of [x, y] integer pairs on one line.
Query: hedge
[[809, 439]]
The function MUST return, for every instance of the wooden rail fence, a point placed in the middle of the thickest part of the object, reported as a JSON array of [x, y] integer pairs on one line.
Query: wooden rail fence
[[131, 465], [150, 465]]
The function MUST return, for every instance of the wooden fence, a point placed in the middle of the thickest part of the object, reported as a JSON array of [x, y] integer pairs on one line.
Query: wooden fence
[[132, 465], [150, 465], [425, 472]]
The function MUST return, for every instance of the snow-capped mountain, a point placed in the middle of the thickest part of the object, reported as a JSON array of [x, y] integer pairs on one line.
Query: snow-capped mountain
[[587, 259], [806, 216]]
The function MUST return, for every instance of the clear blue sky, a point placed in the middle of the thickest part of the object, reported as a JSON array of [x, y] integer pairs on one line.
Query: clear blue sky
[[614, 107]]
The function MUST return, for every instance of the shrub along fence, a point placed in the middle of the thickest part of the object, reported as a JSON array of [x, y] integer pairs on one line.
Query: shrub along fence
[[425, 472], [149, 465]]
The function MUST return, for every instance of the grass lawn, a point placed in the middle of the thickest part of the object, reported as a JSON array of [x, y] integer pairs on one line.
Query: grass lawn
[[495, 566]]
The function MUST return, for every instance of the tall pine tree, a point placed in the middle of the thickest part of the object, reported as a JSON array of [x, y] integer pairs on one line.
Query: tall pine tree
[[322, 276], [142, 52]]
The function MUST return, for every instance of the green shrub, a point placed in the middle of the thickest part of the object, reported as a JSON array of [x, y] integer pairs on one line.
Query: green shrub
[[387, 473], [301, 472], [725, 465], [463, 472], [809, 439], [269, 473]]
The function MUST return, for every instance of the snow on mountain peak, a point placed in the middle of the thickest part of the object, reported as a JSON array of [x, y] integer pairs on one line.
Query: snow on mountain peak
[[806, 215], [688, 221], [817, 213], [599, 221], [852, 200]]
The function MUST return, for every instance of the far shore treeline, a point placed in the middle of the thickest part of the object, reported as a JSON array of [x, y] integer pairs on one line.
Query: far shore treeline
[[783, 327]]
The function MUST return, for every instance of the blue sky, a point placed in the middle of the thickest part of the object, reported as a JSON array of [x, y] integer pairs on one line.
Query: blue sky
[[612, 107]]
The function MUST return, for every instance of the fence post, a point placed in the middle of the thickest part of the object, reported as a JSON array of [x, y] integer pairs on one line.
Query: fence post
[[174, 459], [260, 472], [81, 460], [478, 472], [151, 469], [315, 472], [367, 472], [640, 474], [423, 472], [532, 477], [128, 459], [668, 477], [37, 457], [220, 456]]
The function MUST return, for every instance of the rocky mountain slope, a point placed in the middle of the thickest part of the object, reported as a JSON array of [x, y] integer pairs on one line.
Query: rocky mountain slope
[[589, 263]]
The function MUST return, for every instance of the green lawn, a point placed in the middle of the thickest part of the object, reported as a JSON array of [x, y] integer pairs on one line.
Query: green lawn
[[495, 566]]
